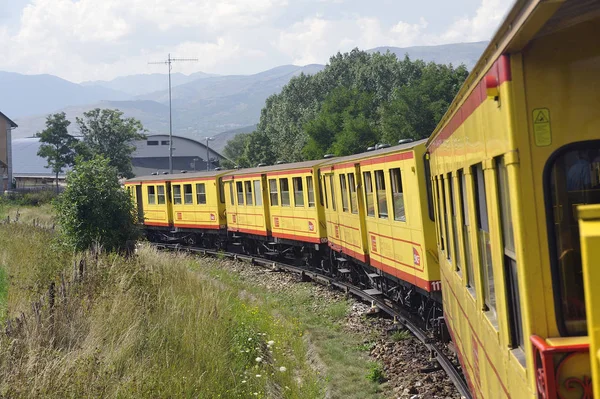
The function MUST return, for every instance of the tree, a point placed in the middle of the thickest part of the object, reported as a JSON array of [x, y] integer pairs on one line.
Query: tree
[[58, 146], [235, 150], [94, 209], [105, 132]]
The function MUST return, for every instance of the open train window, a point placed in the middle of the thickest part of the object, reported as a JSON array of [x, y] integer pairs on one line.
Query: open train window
[[188, 196], [397, 195], [381, 194], [298, 191], [284, 185], [273, 192], [257, 193], [310, 189], [161, 195], [239, 190], [369, 193], [428, 186], [151, 195], [484, 241], [466, 231], [248, 189], [221, 190], [231, 196], [353, 196], [332, 188], [451, 193], [440, 222], [325, 191], [510, 258], [177, 194], [200, 194], [444, 210], [344, 189], [571, 178]]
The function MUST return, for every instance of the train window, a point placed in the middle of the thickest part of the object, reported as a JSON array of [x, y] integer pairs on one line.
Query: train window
[[325, 191], [273, 192], [444, 210], [231, 193], [571, 178], [451, 193], [353, 196], [248, 189], [200, 193], [397, 194], [439, 212], [298, 191], [151, 195], [510, 258], [369, 194], [484, 242], [344, 190], [239, 190], [257, 193], [188, 196], [428, 186], [381, 194], [221, 190], [332, 188], [176, 194], [161, 194], [464, 209], [284, 185], [311, 191]]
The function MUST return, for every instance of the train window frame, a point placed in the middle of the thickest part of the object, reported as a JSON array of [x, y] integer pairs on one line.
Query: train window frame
[[381, 191], [285, 194], [188, 194], [160, 195], [353, 193], [555, 267], [511, 276], [486, 264], [440, 223], [324, 184], [298, 192], [151, 195], [257, 192], [273, 192], [221, 190], [397, 188], [200, 194], [369, 194], [310, 192], [177, 198], [429, 186], [239, 192], [444, 202], [231, 195], [344, 192], [332, 189], [469, 275], [454, 227], [248, 192]]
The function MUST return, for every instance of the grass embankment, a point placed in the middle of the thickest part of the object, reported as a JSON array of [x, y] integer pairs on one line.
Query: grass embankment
[[148, 326]]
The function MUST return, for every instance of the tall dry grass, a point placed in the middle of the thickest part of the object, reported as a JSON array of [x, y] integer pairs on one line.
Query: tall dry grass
[[147, 326]]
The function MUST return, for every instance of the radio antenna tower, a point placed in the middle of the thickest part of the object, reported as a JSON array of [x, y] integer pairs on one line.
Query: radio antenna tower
[[169, 63]]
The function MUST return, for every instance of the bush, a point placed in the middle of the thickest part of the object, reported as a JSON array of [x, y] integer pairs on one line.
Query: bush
[[94, 209], [34, 198], [376, 373]]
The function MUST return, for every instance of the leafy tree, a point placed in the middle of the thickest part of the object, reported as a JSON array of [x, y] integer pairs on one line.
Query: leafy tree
[[259, 150], [105, 132], [235, 150], [58, 146], [94, 209]]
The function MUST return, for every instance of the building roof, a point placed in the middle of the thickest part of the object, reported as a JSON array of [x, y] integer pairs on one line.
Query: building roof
[[26, 161], [12, 124]]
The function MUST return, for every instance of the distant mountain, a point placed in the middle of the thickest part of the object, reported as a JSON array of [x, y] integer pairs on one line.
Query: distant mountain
[[455, 54], [135, 85], [22, 95]]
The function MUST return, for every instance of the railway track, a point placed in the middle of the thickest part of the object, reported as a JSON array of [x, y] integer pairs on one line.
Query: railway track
[[403, 317]]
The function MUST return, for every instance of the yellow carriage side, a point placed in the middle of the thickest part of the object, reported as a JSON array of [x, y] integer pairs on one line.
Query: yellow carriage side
[[247, 202]]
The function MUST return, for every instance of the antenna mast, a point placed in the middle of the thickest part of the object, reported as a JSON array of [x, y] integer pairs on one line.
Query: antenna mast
[[168, 62]]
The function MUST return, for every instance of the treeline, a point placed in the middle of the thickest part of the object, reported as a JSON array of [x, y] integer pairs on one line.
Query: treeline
[[358, 100]]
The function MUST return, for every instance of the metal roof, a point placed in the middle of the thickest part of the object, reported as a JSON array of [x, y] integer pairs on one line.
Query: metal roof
[[178, 176], [275, 168], [26, 161], [375, 153], [12, 124]]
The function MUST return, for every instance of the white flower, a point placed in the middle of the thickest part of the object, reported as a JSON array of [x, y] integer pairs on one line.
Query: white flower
[[250, 339], [270, 343], [255, 393], [258, 359], [282, 369], [243, 382], [258, 375]]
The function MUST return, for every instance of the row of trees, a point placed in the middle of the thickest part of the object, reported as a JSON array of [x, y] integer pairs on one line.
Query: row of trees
[[358, 100], [103, 132]]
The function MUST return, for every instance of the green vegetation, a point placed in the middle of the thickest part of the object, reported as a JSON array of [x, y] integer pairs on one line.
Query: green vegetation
[[376, 373], [401, 335], [3, 292], [95, 209], [358, 100], [144, 326]]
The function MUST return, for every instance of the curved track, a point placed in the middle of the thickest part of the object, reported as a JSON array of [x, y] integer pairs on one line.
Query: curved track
[[402, 316]]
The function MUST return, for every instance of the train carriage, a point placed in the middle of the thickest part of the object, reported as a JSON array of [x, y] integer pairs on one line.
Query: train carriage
[[511, 161]]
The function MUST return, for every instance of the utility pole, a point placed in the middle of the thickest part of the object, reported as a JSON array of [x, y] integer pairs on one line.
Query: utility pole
[[207, 152], [168, 62]]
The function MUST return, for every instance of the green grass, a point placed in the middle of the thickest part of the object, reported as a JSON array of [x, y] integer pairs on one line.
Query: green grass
[[148, 326], [401, 335], [3, 293]]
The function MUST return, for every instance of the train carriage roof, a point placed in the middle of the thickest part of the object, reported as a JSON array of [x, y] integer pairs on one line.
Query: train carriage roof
[[177, 176], [526, 20], [375, 153], [277, 168]]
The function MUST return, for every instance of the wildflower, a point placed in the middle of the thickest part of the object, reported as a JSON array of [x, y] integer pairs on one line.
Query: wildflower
[[282, 369], [270, 343], [258, 375], [258, 359], [250, 339], [255, 393], [244, 381]]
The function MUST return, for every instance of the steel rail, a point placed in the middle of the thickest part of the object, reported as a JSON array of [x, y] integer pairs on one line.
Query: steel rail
[[402, 316]]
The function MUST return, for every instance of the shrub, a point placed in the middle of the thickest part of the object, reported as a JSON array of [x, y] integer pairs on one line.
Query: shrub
[[94, 209], [401, 335], [376, 373]]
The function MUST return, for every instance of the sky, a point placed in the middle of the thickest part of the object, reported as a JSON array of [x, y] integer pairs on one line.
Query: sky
[[81, 40]]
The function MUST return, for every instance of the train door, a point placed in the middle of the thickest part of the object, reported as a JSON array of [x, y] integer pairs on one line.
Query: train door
[[589, 228], [169, 203], [331, 216], [139, 203]]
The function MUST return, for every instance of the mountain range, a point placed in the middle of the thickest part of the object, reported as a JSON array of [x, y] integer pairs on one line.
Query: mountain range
[[203, 104]]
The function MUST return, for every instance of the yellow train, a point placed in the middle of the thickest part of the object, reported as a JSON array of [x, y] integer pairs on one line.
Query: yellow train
[[493, 216]]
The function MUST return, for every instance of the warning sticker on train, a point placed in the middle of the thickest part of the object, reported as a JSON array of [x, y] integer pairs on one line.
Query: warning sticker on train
[[541, 127]]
